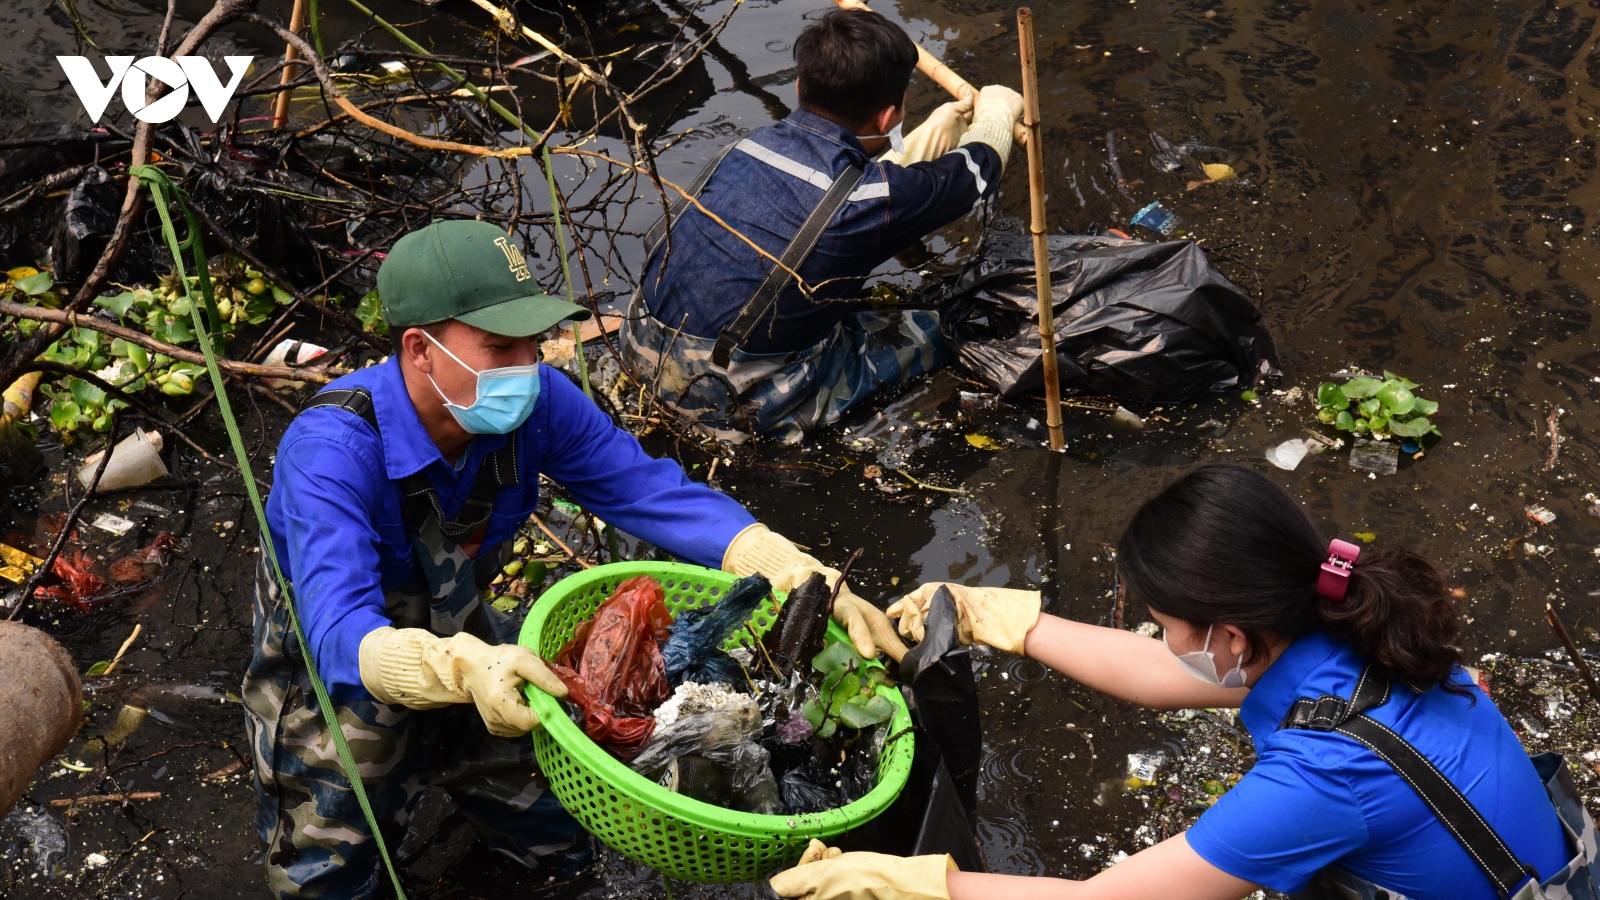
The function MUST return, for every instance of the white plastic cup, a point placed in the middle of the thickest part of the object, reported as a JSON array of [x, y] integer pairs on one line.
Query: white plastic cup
[[135, 462], [291, 353]]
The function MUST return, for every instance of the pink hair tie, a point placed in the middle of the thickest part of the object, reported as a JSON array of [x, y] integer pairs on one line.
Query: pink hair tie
[[1335, 577]]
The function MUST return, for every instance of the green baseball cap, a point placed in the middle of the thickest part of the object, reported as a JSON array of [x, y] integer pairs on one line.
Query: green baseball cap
[[468, 270]]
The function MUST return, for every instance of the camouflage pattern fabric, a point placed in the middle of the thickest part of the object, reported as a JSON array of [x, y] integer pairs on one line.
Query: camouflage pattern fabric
[[782, 395], [319, 844]]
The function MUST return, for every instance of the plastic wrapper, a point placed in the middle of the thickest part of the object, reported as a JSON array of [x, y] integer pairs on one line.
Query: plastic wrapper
[[701, 734], [801, 795], [749, 771], [1138, 321], [147, 562], [697, 633], [613, 670]]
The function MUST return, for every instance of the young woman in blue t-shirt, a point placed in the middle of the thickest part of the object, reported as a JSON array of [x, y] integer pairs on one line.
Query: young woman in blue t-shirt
[[1258, 612]]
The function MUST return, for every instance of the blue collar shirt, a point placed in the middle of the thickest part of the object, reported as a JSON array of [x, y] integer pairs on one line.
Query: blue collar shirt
[[334, 511], [1315, 799]]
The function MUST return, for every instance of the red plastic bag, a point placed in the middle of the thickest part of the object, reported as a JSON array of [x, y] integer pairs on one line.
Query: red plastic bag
[[613, 670], [81, 586], [147, 562]]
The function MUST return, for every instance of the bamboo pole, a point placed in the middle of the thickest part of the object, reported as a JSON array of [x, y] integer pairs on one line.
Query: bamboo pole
[[1578, 662], [280, 108], [1041, 252], [934, 69]]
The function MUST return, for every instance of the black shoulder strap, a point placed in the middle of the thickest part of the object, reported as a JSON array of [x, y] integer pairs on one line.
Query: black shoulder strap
[[1349, 718], [762, 301], [355, 400], [658, 231], [418, 498]]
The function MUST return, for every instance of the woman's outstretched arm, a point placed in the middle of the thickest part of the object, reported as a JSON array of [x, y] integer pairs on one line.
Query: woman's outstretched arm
[[1123, 664], [1170, 870]]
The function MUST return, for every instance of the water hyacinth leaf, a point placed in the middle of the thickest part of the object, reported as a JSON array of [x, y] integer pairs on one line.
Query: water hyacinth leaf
[[864, 712], [849, 686], [283, 297], [837, 657], [35, 284], [85, 393], [98, 668], [1328, 394], [1361, 427], [1415, 427], [535, 572], [117, 303], [1327, 414], [1361, 388], [1396, 399], [64, 415], [370, 312], [827, 728], [1344, 421], [1370, 406], [1404, 382], [814, 713], [1425, 407]]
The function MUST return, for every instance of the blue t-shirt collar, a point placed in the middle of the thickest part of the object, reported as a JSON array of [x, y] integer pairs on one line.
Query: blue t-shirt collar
[[407, 447], [1269, 699]]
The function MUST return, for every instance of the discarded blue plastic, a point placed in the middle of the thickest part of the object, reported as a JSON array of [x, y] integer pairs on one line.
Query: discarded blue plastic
[[698, 632], [1410, 447], [1157, 218]]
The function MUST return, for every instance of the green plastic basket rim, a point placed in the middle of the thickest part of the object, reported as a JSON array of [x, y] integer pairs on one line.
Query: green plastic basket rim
[[570, 737]]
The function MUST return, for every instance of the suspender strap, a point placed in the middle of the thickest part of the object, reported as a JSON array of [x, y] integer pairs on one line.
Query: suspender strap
[[419, 499], [1349, 718], [762, 301], [355, 400], [658, 231]]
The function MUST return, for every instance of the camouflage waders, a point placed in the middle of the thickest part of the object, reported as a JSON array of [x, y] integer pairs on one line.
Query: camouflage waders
[[784, 395], [319, 844]]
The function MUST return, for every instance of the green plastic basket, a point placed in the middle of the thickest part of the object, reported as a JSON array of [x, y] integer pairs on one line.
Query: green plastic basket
[[681, 837]]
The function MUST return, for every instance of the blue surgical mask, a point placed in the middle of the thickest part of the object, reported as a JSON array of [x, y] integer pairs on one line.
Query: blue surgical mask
[[505, 396], [897, 141]]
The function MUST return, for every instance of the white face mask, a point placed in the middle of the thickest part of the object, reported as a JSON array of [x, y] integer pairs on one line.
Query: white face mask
[[897, 141], [1202, 664]]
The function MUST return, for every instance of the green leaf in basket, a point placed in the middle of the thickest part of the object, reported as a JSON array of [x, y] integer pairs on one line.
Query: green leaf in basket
[[837, 656], [814, 713], [848, 688], [864, 712]]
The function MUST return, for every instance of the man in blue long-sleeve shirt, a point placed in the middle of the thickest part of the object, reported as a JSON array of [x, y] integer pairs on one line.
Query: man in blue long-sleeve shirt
[[728, 333], [396, 495]]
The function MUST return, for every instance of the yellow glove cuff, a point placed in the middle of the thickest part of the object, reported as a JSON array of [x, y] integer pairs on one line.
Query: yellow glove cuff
[[992, 130], [760, 549], [395, 667]]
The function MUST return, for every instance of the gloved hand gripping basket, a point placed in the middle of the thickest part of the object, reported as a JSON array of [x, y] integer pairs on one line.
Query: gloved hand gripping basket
[[680, 836]]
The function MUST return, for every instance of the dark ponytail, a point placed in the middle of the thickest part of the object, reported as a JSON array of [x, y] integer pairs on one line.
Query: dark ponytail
[[1225, 545]]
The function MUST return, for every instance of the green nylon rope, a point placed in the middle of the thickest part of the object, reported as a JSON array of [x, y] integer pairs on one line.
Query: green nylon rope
[[160, 186]]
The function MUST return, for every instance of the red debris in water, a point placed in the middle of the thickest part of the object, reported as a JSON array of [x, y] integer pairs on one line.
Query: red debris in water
[[147, 562], [80, 586]]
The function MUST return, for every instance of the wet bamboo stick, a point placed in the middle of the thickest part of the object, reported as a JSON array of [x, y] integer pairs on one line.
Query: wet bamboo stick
[[1578, 662], [280, 109], [934, 69], [1041, 251]]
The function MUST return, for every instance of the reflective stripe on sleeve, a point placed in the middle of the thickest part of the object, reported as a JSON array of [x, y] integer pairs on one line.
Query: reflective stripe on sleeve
[[972, 166], [870, 192]]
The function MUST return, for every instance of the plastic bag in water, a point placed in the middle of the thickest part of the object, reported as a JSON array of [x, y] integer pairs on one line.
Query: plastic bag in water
[[1152, 323], [735, 722], [801, 795]]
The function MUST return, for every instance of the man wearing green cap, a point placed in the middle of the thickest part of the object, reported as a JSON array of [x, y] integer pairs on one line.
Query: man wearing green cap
[[396, 496]]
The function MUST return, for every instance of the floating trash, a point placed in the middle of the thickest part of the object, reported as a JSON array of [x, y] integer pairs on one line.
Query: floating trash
[[1378, 457], [1157, 218]]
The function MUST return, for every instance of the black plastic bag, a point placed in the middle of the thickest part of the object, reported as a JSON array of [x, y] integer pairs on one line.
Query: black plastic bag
[[1151, 323], [92, 208]]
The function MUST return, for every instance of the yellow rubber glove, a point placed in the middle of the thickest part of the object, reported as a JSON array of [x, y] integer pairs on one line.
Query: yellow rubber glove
[[999, 617], [823, 873], [760, 549], [936, 136], [415, 668], [994, 114]]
